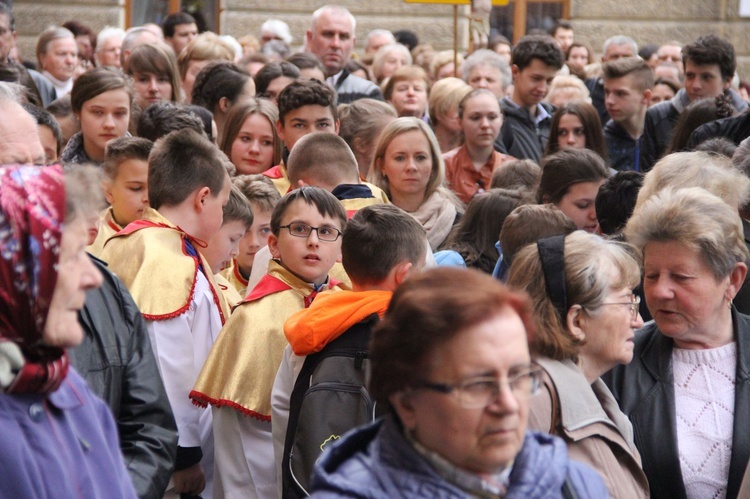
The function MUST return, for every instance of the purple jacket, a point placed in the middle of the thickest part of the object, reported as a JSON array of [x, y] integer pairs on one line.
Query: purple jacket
[[61, 445]]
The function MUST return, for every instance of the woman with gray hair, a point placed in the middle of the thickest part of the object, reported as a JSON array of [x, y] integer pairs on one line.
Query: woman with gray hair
[[696, 169], [487, 69], [687, 391], [581, 288], [388, 59], [57, 54]]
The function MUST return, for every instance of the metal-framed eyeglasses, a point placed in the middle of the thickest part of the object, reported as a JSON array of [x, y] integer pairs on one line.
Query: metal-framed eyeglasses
[[634, 304], [301, 229], [480, 391]]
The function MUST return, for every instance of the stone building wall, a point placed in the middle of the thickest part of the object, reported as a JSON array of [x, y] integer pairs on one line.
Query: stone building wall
[[648, 21], [433, 23], [34, 16], [657, 21]]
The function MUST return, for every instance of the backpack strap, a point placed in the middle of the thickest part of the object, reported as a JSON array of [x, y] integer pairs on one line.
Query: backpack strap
[[356, 339]]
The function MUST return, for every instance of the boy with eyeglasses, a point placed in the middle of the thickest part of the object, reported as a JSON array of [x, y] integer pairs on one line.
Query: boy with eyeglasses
[[382, 246], [238, 376]]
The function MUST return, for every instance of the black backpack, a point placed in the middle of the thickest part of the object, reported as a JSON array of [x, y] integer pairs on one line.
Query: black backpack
[[329, 398]]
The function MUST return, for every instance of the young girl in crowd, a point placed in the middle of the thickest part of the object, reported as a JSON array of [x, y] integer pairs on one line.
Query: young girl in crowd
[[577, 58], [250, 139], [101, 100], [155, 74], [219, 86], [468, 169], [471, 243], [571, 180], [362, 122], [576, 125], [273, 77]]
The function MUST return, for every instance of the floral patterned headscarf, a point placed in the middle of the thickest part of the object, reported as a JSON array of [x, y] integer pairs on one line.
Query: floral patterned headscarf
[[32, 210]]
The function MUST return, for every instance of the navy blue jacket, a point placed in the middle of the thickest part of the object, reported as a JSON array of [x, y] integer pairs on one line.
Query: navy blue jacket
[[623, 151]]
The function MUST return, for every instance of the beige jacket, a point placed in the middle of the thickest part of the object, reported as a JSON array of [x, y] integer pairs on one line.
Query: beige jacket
[[588, 419]]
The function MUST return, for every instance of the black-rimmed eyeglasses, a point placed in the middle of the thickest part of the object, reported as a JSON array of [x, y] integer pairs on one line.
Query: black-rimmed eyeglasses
[[300, 229]]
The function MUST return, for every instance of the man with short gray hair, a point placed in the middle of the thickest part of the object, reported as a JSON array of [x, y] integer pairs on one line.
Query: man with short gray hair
[[331, 38]]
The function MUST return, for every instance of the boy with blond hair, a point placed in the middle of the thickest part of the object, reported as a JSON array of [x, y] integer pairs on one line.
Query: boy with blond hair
[[263, 197], [125, 187]]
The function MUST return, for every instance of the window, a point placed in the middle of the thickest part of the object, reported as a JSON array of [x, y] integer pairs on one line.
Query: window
[[521, 16], [205, 12]]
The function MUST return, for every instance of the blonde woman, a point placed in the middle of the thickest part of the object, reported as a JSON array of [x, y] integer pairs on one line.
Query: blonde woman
[[409, 168]]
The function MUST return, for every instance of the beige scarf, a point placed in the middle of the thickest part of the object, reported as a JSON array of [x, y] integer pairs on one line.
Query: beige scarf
[[436, 214]]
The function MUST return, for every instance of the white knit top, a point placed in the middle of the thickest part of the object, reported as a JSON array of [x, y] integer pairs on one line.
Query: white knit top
[[704, 403]]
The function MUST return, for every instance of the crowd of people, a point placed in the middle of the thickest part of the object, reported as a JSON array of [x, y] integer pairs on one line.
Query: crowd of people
[[271, 267]]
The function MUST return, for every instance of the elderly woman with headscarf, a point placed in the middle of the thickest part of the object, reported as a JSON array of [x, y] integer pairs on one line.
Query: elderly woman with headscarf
[[687, 391], [57, 438]]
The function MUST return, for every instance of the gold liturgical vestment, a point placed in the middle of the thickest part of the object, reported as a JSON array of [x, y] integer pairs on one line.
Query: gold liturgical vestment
[[242, 365], [151, 257]]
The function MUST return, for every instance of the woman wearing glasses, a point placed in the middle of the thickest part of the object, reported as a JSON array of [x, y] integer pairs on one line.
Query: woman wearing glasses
[[451, 369], [687, 390], [582, 291]]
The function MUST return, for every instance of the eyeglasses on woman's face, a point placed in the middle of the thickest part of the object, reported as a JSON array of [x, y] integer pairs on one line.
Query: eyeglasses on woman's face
[[480, 391], [634, 304]]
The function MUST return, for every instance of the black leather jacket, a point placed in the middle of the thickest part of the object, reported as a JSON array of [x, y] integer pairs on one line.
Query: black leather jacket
[[660, 122], [736, 129], [520, 136], [116, 360], [645, 391]]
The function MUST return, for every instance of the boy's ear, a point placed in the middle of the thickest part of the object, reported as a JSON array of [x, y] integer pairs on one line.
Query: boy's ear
[[200, 197], [107, 186], [273, 246], [280, 130], [400, 272], [336, 126], [646, 97]]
